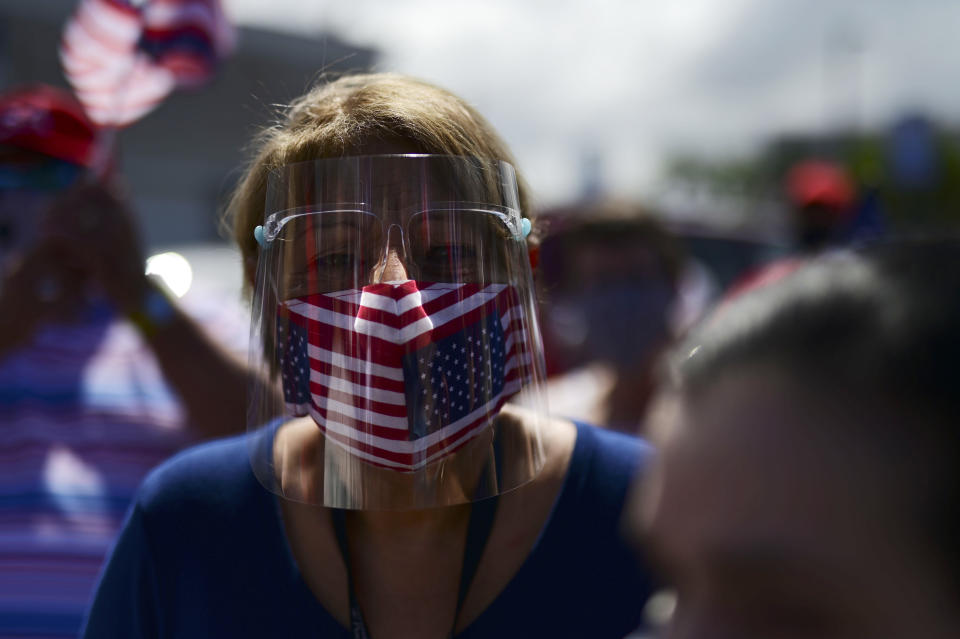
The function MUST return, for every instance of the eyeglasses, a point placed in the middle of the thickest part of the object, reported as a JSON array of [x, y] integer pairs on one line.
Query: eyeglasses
[[348, 248]]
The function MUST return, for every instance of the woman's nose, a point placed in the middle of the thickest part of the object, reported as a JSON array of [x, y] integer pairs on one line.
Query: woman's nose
[[394, 270]]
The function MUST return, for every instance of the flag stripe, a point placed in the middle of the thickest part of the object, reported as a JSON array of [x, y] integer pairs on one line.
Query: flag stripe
[[320, 356], [394, 313], [385, 402], [385, 339], [340, 391], [342, 380], [403, 451]]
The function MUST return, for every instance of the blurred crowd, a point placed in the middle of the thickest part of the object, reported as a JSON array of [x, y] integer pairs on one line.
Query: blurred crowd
[[102, 374]]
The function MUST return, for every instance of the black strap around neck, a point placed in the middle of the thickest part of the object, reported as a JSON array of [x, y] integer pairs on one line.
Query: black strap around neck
[[482, 514]]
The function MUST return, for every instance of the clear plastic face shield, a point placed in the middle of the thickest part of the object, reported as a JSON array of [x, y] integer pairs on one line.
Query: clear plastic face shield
[[395, 310]]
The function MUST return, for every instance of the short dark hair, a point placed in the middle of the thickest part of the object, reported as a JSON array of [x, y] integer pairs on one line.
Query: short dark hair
[[609, 224], [880, 324]]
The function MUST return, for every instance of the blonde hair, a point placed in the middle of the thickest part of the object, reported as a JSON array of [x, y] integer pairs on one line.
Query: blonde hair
[[341, 117]]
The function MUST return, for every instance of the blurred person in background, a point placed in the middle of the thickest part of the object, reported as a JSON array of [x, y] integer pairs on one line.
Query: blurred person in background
[[824, 213], [822, 198], [102, 375], [401, 493], [612, 278], [807, 484]]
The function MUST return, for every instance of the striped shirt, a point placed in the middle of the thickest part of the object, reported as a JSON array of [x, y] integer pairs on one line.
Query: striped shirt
[[84, 415]]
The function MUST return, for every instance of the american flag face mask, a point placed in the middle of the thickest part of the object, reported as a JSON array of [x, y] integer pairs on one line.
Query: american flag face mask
[[395, 310], [403, 374]]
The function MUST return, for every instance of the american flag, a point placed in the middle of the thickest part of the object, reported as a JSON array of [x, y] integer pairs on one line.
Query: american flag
[[294, 365], [124, 56], [401, 374]]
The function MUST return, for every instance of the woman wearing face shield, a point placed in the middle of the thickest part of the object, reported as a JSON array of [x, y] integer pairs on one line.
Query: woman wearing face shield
[[394, 490]]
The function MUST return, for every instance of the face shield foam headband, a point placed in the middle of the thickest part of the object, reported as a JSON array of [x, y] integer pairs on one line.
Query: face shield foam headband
[[402, 374]]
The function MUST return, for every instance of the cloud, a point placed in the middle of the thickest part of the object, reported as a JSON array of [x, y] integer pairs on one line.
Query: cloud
[[635, 81]]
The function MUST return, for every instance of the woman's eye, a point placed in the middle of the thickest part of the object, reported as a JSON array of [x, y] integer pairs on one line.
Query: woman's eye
[[450, 253], [338, 261]]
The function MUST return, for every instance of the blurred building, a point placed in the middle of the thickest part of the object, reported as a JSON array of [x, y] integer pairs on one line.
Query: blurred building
[[181, 160]]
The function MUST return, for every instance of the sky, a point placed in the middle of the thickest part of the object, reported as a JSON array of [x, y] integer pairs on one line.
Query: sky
[[632, 83]]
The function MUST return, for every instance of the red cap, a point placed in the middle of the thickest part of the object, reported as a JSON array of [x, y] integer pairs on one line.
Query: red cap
[[50, 121], [819, 182]]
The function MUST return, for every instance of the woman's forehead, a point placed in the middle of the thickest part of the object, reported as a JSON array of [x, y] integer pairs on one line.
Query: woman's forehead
[[389, 182], [390, 189]]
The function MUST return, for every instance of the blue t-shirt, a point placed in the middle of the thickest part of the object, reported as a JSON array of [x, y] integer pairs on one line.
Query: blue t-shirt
[[203, 554]]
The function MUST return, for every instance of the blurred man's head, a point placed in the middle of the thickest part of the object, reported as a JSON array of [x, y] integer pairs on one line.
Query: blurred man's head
[[807, 484], [611, 273], [46, 142], [49, 226], [821, 196]]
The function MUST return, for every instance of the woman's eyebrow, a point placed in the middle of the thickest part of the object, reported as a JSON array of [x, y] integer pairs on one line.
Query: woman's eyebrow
[[348, 228], [333, 221]]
